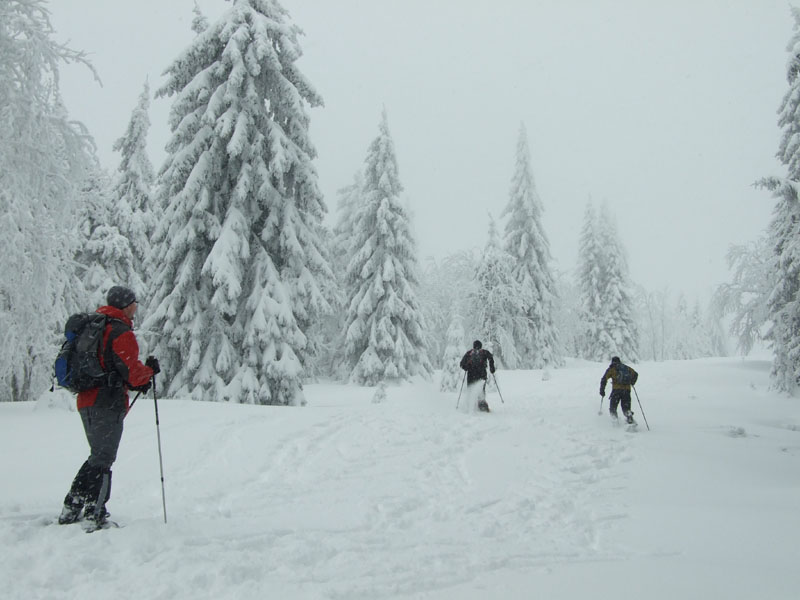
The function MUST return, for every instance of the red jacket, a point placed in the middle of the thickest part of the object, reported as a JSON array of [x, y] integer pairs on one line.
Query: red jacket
[[125, 364]]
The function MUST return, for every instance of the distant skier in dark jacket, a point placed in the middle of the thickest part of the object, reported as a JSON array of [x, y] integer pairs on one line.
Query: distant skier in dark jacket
[[622, 377], [474, 363]]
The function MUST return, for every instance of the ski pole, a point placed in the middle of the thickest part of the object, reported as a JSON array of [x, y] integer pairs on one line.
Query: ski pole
[[600, 412], [462, 388], [498, 388], [135, 398], [640, 408], [160, 460]]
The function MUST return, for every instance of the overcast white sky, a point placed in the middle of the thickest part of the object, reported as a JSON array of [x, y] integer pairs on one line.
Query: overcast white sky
[[666, 111]]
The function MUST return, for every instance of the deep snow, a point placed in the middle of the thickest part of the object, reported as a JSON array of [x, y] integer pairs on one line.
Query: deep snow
[[410, 498]]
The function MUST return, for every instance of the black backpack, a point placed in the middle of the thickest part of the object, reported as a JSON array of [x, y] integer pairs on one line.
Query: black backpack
[[475, 361], [77, 365], [625, 374]]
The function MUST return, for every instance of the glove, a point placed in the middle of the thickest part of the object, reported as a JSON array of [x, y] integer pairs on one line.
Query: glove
[[491, 371], [602, 393], [152, 362], [142, 389]]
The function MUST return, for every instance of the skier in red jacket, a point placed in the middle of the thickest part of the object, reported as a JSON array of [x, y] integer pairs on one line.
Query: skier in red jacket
[[102, 409]]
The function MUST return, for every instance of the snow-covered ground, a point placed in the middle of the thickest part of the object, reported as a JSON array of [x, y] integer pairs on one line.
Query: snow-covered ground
[[410, 498]]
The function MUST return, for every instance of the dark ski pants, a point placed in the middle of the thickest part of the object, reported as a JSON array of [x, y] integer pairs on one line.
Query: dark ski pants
[[92, 483], [617, 397]]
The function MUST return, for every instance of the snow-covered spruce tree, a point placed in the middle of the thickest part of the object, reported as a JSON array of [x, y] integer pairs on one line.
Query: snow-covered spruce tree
[[131, 195], [43, 159], [618, 331], [384, 338], [591, 272], [784, 232], [525, 241], [104, 254], [495, 304], [237, 258], [607, 305], [452, 374]]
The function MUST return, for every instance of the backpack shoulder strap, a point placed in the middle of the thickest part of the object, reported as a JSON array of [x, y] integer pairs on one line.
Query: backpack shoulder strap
[[116, 328]]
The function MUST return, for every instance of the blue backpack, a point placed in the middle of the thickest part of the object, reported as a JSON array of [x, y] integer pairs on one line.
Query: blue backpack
[[77, 366]]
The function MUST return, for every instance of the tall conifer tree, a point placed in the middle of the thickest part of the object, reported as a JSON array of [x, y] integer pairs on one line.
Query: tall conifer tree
[[332, 328], [104, 254], [496, 302], [618, 332], [590, 284], [384, 333], [527, 244], [607, 303], [131, 196], [784, 231], [237, 259]]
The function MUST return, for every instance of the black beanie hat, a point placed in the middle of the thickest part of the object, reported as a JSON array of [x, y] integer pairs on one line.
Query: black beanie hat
[[477, 344], [615, 360], [120, 297]]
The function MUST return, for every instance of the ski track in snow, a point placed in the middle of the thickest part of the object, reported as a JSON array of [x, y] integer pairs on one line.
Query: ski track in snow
[[420, 502]]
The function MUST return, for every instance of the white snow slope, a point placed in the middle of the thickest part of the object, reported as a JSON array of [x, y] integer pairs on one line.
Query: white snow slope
[[410, 498]]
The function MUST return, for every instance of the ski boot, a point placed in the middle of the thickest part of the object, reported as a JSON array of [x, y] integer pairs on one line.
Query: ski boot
[[629, 418], [71, 512], [483, 406]]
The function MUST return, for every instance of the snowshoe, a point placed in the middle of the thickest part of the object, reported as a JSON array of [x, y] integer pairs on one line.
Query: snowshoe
[[483, 406], [92, 526], [96, 514], [629, 418]]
